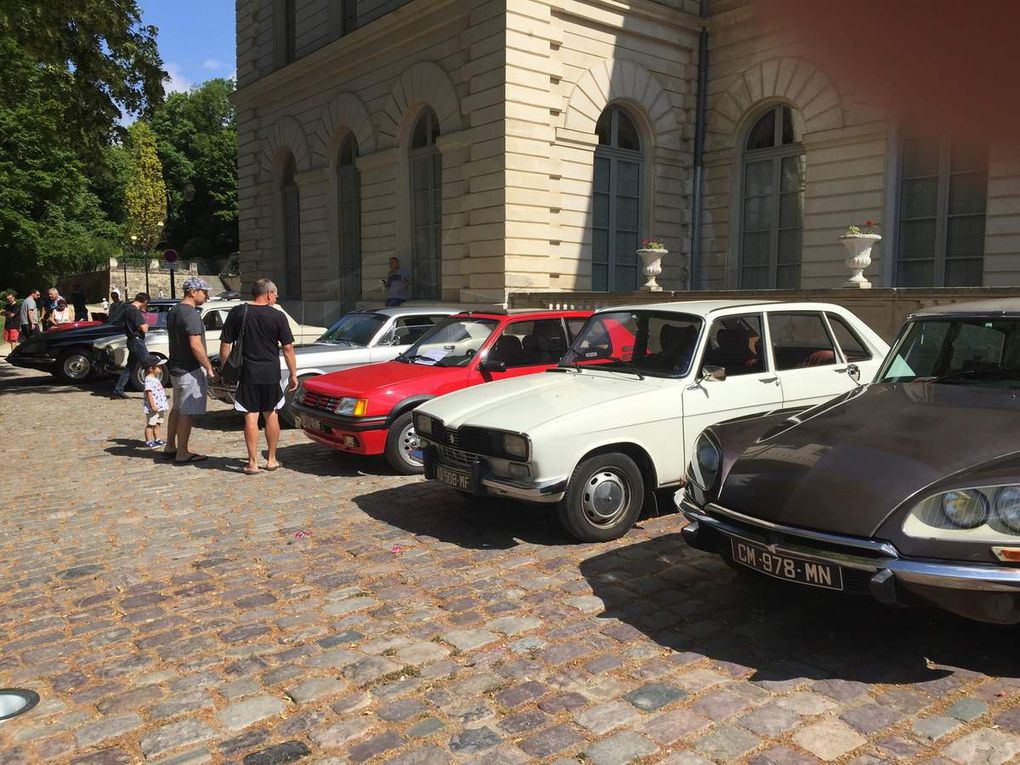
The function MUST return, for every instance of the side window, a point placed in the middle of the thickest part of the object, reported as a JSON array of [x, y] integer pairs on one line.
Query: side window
[[574, 328], [734, 343], [530, 343], [853, 348], [977, 347], [800, 340], [408, 329], [213, 320]]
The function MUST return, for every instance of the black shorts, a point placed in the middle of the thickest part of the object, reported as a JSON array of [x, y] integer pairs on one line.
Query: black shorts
[[252, 397]]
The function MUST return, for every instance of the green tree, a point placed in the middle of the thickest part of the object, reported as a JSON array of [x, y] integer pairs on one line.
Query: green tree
[[145, 193]]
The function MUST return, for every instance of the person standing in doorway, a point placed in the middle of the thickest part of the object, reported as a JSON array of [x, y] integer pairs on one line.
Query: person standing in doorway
[[12, 319], [396, 282], [266, 332], [29, 315], [190, 369], [135, 326]]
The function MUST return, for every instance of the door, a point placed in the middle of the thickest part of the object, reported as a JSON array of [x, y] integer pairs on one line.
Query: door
[[213, 323], [526, 347], [808, 365], [737, 344]]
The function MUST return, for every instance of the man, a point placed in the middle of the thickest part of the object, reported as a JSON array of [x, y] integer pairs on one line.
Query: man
[[81, 311], [117, 306], [190, 369], [29, 315], [12, 319], [135, 326], [266, 331], [396, 284], [50, 304]]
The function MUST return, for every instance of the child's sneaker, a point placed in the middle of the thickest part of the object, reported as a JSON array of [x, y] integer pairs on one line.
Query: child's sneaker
[[159, 442], [151, 444]]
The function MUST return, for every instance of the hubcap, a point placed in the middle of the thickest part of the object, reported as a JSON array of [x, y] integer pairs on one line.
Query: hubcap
[[410, 448], [605, 498], [76, 366]]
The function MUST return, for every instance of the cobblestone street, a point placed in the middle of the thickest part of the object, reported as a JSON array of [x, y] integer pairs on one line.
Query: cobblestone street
[[332, 612]]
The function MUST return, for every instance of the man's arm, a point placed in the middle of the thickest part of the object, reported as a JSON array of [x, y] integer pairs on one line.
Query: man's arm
[[224, 351], [32, 320], [195, 342], [291, 359]]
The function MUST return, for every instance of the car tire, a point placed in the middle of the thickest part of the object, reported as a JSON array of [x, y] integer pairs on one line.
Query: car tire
[[403, 451], [136, 380], [603, 499], [74, 366]]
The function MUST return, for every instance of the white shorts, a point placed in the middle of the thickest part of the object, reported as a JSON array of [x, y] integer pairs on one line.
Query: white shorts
[[155, 418], [190, 392]]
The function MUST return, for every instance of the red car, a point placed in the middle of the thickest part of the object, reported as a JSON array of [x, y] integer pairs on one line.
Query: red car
[[367, 410]]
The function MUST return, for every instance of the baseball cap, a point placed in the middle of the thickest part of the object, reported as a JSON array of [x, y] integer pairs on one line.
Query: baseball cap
[[195, 283], [154, 361]]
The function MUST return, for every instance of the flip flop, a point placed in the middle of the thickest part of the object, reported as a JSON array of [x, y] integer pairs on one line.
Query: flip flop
[[248, 471], [165, 455], [191, 458], [274, 467]]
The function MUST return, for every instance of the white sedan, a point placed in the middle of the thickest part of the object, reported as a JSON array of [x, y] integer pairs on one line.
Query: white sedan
[[617, 419]]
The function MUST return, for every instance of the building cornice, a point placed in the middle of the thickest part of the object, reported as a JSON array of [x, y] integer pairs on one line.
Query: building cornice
[[668, 20]]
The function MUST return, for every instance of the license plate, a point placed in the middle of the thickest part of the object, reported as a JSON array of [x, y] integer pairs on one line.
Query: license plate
[[788, 567], [453, 478], [311, 423]]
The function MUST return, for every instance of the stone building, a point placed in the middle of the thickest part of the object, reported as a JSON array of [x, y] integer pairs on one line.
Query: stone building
[[530, 145]]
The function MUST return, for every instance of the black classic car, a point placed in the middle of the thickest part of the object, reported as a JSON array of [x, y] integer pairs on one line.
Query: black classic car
[[907, 488], [69, 354]]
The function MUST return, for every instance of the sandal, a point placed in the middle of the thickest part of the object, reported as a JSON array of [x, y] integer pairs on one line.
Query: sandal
[[248, 471], [191, 458]]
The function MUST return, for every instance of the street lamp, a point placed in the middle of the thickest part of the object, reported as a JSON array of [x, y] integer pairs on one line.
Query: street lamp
[[134, 243]]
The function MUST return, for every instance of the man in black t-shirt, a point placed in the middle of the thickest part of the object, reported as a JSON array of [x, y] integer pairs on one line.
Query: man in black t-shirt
[[266, 330], [135, 326]]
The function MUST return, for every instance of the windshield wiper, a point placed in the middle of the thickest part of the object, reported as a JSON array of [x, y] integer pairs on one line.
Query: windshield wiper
[[962, 375], [626, 366], [411, 359]]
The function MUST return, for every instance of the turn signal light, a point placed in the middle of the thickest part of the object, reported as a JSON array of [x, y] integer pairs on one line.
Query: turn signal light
[[1007, 554], [360, 407]]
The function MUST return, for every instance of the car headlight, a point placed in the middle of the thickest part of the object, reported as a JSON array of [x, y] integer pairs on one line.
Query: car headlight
[[966, 509], [515, 446], [706, 462], [1007, 507], [351, 407], [981, 514], [422, 424]]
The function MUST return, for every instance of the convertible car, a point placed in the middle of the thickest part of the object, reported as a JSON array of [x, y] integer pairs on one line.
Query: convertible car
[[907, 488]]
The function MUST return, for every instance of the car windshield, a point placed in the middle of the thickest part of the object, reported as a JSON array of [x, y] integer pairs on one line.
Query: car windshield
[[957, 351], [657, 343], [354, 329], [451, 343]]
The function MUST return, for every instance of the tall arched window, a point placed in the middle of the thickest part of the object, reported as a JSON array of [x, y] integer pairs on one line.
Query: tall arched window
[[291, 198], [616, 203], [772, 203], [349, 220], [426, 208]]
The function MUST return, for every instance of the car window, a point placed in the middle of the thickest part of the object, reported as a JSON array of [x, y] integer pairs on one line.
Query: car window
[[800, 340], [213, 320], [408, 329], [656, 343], [452, 342], [574, 328], [354, 329], [155, 319], [530, 343], [734, 343], [853, 347]]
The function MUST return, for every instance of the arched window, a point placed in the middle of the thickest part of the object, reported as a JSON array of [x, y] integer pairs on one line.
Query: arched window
[[772, 202], [616, 203], [349, 220], [426, 208], [291, 231]]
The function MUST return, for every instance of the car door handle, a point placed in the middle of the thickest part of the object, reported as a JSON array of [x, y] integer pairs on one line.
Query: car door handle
[[768, 379], [840, 371]]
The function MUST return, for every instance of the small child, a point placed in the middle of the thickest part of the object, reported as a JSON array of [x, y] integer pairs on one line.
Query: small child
[[156, 405]]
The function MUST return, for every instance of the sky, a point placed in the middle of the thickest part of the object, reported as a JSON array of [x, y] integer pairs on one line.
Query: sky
[[196, 39]]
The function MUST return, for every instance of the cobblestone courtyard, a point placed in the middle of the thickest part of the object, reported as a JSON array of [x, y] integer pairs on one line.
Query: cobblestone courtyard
[[332, 612]]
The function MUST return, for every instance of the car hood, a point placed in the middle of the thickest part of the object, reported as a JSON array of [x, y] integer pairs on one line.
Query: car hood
[[312, 349], [363, 381], [849, 463], [522, 404]]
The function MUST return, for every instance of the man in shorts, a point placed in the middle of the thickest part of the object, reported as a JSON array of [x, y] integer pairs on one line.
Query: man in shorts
[[190, 369], [266, 331], [12, 318]]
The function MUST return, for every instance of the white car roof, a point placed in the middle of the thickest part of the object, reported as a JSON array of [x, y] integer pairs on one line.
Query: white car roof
[[710, 307]]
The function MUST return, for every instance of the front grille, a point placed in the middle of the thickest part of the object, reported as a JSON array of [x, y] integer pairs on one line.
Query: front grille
[[317, 401], [456, 458], [442, 435]]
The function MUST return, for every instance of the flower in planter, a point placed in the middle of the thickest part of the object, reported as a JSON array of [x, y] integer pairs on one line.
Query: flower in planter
[[868, 227], [653, 243]]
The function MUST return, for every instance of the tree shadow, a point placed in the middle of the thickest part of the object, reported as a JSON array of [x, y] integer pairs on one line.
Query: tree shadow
[[692, 601], [429, 509]]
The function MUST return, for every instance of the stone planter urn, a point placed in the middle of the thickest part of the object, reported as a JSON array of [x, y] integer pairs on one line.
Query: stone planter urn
[[858, 257], [651, 267]]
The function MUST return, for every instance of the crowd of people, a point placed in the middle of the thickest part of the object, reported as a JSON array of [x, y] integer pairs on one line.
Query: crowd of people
[[37, 314]]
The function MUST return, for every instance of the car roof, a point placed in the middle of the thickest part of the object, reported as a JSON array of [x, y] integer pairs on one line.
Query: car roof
[[709, 307], [530, 313], [993, 307], [411, 310]]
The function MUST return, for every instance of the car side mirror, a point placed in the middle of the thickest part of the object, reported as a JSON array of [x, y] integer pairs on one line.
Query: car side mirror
[[712, 372], [854, 372], [489, 365]]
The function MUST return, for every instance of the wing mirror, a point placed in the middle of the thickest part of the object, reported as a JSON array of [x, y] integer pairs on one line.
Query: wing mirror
[[854, 372], [712, 372], [489, 365]]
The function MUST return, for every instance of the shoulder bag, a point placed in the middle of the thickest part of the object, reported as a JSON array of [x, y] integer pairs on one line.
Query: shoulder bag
[[231, 368]]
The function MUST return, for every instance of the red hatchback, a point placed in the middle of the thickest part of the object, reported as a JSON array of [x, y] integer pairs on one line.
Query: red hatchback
[[367, 409]]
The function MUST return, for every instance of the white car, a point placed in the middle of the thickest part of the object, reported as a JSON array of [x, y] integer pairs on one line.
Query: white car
[[616, 420], [112, 352]]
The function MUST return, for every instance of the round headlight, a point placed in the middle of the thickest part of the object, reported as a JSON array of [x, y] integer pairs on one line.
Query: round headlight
[[1007, 507], [966, 509], [707, 460]]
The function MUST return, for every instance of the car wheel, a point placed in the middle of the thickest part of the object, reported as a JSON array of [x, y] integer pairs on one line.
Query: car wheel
[[403, 451], [137, 378], [73, 366], [603, 499]]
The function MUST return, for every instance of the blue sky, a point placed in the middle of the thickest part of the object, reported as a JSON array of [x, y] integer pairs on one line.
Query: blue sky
[[196, 38]]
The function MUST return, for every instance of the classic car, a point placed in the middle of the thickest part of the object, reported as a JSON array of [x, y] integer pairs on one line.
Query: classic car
[[614, 422], [367, 410], [69, 354], [359, 337], [907, 489], [112, 353]]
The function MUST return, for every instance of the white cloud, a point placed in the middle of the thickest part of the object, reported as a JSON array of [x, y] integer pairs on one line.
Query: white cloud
[[176, 82], [213, 64]]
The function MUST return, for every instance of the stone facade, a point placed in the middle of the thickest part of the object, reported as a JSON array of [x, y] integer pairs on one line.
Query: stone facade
[[517, 88]]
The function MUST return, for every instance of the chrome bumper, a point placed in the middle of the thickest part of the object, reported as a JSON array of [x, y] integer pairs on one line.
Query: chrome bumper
[[547, 491]]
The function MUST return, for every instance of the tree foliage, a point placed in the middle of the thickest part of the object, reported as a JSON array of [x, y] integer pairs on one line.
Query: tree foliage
[[145, 193]]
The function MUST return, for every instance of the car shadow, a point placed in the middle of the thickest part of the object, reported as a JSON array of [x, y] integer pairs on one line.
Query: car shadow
[[315, 459], [691, 601], [131, 447], [15, 380], [429, 509]]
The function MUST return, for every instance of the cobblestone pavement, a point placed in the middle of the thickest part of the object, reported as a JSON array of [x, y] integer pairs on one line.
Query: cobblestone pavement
[[334, 613]]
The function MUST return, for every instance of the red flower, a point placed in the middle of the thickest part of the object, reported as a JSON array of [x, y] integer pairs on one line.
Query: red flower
[[869, 223]]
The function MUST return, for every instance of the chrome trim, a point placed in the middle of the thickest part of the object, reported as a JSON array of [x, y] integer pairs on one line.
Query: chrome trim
[[882, 548], [547, 491]]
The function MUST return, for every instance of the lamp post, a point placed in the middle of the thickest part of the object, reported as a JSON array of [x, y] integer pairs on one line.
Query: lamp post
[[134, 240], [159, 238]]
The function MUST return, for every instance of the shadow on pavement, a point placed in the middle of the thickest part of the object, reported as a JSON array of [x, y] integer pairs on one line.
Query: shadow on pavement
[[691, 601], [315, 459], [132, 447], [431, 510]]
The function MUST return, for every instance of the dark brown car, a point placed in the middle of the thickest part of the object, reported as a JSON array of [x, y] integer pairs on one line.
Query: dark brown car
[[907, 488]]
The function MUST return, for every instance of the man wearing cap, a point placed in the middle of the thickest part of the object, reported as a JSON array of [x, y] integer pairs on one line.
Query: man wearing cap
[[190, 369], [135, 326]]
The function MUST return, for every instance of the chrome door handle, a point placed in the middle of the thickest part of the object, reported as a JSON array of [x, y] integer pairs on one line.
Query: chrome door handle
[[769, 379], [840, 371]]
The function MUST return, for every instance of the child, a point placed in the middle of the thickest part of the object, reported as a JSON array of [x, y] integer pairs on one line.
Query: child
[[156, 404]]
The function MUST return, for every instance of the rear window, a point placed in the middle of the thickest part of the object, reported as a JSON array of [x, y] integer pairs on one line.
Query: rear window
[[800, 340]]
